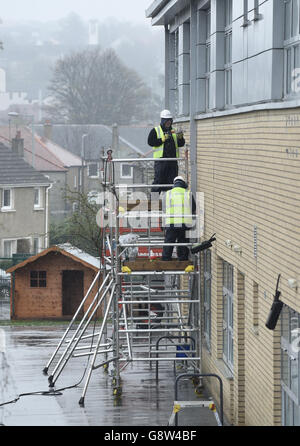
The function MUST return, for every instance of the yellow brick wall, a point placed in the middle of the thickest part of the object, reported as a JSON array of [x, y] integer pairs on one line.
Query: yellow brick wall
[[248, 167]]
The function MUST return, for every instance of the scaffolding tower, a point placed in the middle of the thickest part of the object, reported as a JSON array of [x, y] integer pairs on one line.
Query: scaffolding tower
[[150, 308]]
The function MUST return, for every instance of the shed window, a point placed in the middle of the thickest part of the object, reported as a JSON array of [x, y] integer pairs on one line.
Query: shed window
[[38, 279]]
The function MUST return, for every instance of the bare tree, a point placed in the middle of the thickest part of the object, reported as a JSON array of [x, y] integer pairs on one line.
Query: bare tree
[[95, 87]]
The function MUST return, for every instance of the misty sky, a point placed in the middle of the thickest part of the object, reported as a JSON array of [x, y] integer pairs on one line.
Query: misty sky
[[43, 10]]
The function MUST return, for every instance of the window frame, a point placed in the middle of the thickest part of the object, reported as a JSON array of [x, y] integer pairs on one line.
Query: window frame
[[207, 298], [39, 203], [207, 59], [291, 47], [39, 277], [228, 315], [290, 362], [130, 176], [95, 163], [10, 206], [228, 54]]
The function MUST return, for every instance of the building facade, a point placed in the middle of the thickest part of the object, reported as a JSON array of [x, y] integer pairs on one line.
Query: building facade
[[232, 81], [24, 206]]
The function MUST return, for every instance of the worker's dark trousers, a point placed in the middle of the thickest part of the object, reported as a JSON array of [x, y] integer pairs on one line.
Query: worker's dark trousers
[[175, 234], [164, 173]]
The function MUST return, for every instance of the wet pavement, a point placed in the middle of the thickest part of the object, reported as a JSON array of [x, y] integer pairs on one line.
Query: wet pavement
[[144, 402]]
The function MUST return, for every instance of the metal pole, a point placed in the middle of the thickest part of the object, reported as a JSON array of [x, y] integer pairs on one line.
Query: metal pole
[[51, 378], [45, 370], [81, 401]]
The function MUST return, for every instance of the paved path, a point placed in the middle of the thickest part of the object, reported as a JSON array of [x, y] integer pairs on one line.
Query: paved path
[[143, 401]]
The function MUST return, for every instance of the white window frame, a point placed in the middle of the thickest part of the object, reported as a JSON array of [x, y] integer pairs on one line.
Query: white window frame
[[207, 298], [130, 176], [93, 164], [228, 329], [291, 48], [10, 207], [208, 59], [290, 367], [39, 203], [228, 54], [13, 248]]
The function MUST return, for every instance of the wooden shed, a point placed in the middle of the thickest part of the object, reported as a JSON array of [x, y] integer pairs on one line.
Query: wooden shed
[[51, 284]]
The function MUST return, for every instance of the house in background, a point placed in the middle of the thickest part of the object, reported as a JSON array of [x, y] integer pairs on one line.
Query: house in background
[[62, 167], [232, 83], [53, 283], [24, 205], [91, 142]]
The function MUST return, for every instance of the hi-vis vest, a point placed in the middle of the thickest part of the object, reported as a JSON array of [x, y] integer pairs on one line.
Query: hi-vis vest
[[159, 151], [178, 206]]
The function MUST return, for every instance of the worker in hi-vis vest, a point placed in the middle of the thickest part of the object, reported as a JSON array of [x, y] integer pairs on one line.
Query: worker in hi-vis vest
[[165, 142], [179, 206]]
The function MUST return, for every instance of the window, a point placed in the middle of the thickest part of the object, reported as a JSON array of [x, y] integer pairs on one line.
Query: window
[[37, 197], [290, 376], [228, 314], [36, 245], [93, 170], [38, 279], [228, 53], [207, 298], [126, 171], [7, 199], [291, 45], [9, 248], [208, 61]]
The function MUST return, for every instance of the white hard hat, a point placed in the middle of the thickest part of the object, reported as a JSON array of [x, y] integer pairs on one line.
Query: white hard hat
[[166, 114], [178, 178]]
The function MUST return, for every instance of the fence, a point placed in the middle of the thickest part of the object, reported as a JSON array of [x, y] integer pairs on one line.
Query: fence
[[5, 288]]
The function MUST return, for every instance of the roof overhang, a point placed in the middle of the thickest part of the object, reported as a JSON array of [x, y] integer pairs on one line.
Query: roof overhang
[[54, 249], [24, 185], [163, 11]]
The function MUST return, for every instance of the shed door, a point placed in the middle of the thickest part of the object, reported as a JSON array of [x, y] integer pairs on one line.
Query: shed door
[[72, 292]]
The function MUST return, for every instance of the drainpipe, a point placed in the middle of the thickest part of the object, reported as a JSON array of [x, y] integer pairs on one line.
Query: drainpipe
[[47, 216], [193, 90], [167, 63]]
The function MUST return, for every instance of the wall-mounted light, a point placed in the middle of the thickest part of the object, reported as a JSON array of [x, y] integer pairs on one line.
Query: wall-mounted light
[[293, 283], [228, 243]]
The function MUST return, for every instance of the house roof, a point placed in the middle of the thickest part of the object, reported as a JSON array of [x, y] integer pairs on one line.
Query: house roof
[[45, 159], [67, 250], [134, 137], [67, 158], [15, 171]]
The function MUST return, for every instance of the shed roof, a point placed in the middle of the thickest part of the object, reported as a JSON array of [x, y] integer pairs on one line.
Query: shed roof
[[65, 249]]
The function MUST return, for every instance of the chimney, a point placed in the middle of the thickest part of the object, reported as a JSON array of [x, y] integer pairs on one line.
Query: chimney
[[48, 130], [17, 145], [115, 138]]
